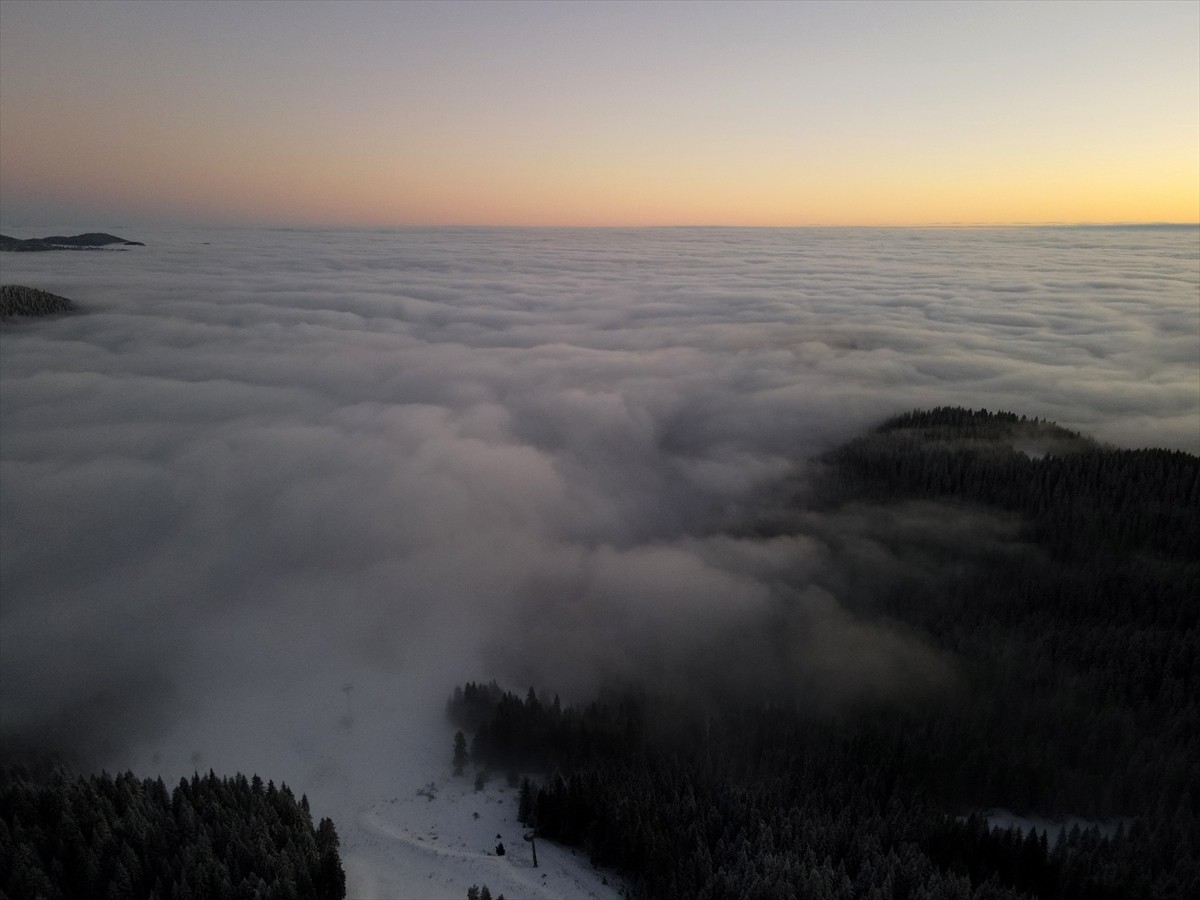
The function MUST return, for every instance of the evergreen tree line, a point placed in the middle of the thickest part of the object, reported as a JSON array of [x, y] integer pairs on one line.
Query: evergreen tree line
[[18, 300], [475, 892], [123, 838], [1078, 657], [1081, 652], [1080, 502], [769, 803]]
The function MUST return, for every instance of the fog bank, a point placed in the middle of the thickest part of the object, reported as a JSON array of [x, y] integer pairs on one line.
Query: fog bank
[[274, 492]]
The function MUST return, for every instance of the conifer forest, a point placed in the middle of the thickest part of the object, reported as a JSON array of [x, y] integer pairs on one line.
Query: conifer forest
[[1078, 671]]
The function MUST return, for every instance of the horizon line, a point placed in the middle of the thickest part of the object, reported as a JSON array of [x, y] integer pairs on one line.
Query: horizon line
[[311, 226]]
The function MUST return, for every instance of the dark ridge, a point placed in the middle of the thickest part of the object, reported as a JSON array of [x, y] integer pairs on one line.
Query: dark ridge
[[18, 300], [92, 240], [961, 426], [106, 836], [1081, 499]]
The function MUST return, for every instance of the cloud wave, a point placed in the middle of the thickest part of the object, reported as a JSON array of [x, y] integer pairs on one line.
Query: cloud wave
[[265, 465]]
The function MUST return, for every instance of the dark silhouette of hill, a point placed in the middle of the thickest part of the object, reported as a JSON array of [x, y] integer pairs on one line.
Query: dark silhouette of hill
[[92, 240], [18, 300]]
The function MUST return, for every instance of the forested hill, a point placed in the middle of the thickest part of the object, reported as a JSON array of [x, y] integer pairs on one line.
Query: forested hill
[[18, 300], [1080, 498], [92, 240], [123, 838], [1076, 643], [1081, 643]]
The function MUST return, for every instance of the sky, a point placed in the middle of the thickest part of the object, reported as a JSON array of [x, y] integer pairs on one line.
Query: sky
[[598, 114]]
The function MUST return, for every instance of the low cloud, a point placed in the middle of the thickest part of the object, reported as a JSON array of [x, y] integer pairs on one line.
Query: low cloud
[[261, 469]]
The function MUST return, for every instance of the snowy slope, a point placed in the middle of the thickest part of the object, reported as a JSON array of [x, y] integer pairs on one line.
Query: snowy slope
[[373, 750], [440, 839], [428, 834]]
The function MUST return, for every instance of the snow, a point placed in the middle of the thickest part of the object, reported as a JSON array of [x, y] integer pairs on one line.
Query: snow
[[372, 749], [432, 835], [440, 839]]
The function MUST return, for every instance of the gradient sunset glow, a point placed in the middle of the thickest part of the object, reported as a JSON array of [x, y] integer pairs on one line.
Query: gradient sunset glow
[[381, 114]]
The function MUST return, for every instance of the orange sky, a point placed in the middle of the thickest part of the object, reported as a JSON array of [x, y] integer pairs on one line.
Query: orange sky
[[599, 114]]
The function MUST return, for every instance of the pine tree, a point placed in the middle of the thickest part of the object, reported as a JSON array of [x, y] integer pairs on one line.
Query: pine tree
[[460, 752], [332, 877], [525, 806]]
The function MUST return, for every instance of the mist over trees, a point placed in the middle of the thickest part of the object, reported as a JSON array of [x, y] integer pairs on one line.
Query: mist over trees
[[1077, 652], [452, 431], [265, 465]]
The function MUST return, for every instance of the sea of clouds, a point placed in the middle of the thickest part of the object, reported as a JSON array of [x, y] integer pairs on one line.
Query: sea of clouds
[[275, 485]]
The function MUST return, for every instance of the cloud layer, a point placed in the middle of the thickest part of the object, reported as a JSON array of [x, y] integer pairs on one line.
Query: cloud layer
[[268, 465]]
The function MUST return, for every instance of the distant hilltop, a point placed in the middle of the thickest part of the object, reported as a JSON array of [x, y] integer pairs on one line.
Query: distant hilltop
[[93, 240]]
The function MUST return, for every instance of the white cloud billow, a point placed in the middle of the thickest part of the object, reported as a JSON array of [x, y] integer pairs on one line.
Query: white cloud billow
[[258, 468]]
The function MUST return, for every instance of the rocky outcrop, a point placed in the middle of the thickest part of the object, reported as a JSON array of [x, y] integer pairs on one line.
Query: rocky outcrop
[[92, 240], [18, 300]]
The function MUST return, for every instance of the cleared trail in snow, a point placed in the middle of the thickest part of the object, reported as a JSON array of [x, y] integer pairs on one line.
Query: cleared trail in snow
[[441, 840]]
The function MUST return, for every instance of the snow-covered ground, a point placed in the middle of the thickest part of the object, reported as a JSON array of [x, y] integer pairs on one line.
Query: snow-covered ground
[[373, 750], [440, 839], [411, 829], [425, 833]]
